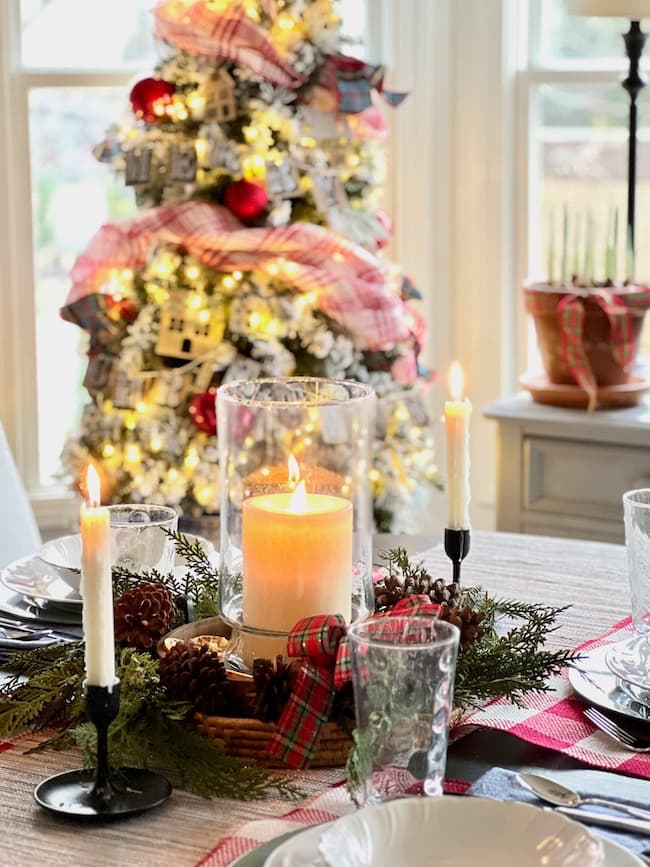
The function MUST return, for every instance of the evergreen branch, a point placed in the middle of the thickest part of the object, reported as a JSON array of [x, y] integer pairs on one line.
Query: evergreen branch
[[200, 582], [150, 730], [53, 691]]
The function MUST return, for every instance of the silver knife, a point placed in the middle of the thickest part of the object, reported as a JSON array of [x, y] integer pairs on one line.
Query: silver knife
[[591, 817]]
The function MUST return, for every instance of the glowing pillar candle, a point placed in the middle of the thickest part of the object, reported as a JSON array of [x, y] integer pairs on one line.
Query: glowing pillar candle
[[457, 414], [297, 553], [96, 587]]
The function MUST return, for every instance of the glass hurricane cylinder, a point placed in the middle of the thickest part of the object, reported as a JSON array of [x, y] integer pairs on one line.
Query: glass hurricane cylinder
[[296, 510]]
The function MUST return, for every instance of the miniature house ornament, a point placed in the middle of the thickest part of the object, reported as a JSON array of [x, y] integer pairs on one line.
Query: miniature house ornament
[[187, 331], [219, 95]]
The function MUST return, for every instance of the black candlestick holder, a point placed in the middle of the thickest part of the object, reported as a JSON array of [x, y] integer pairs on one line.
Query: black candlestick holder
[[456, 548], [102, 793]]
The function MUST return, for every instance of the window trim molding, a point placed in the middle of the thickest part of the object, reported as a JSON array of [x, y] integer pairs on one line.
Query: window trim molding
[[54, 506]]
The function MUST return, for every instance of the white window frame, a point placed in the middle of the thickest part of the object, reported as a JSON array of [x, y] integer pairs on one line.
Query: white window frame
[[56, 506], [533, 74]]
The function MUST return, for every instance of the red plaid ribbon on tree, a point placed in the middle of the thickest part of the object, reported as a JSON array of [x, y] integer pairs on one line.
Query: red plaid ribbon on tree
[[351, 284], [570, 312], [229, 34], [322, 644]]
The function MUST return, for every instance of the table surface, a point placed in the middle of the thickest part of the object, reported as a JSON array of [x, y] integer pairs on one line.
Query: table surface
[[591, 577]]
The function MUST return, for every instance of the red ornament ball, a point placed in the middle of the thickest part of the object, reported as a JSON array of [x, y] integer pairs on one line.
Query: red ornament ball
[[150, 97], [203, 411], [246, 200]]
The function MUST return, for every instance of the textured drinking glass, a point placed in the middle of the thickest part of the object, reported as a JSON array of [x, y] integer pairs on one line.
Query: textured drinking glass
[[296, 508], [403, 677], [636, 508], [138, 538]]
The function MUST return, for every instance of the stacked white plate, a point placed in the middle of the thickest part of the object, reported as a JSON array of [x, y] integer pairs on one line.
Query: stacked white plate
[[629, 662], [450, 832], [50, 578]]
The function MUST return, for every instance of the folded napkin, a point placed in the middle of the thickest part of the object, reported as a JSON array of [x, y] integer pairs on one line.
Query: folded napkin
[[10, 644], [503, 785]]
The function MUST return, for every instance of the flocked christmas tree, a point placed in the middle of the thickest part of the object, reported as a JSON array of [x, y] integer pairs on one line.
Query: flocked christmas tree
[[255, 154]]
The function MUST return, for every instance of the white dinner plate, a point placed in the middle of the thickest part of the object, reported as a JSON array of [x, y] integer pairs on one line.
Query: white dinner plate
[[33, 578], [409, 830], [592, 679]]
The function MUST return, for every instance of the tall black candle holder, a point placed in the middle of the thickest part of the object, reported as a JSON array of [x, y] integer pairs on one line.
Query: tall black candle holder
[[101, 793], [457, 544]]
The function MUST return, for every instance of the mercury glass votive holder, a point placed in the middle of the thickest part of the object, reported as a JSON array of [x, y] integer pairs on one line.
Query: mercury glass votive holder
[[296, 508]]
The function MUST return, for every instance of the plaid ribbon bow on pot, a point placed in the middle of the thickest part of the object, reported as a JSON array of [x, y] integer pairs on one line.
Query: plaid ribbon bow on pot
[[570, 310], [321, 642], [571, 316]]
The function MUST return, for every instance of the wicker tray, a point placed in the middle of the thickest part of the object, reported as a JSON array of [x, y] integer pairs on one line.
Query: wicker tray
[[249, 738]]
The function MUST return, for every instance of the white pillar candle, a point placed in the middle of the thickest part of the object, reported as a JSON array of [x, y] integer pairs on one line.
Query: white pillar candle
[[457, 414], [97, 588], [297, 553]]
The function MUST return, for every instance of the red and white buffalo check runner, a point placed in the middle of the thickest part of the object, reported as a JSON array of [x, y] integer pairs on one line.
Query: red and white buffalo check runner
[[555, 720]]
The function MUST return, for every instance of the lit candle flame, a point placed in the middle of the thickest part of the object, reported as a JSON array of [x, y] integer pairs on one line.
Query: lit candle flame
[[456, 381], [294, 472], [93, 486], [298, 500]]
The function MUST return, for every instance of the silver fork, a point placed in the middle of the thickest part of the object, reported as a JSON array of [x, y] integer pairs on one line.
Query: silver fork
[[615, 731]]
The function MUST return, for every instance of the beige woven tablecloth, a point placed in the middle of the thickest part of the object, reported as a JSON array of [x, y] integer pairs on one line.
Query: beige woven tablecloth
[[590, 576]]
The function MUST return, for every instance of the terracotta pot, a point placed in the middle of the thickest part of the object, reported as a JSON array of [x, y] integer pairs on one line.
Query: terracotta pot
[[596, 332]]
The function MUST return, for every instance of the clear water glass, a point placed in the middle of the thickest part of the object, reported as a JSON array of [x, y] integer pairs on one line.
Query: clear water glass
[[403, 672], [139, 542], [636, 509]]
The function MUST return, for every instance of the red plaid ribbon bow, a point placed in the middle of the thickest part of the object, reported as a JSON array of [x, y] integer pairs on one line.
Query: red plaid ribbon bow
[[322, 643], [229, 34], [571, 318], [352, 82]]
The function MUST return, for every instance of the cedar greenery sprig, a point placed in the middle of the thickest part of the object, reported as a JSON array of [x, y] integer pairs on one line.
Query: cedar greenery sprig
[[51, 693], [514, 663], [149, 731], [200, 581], [509, 664]]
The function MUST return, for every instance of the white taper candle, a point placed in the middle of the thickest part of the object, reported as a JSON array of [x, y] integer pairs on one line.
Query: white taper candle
[[97, 587], [457, 415]]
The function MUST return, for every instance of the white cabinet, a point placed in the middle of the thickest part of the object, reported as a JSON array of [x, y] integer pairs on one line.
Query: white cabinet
[[562, 472]]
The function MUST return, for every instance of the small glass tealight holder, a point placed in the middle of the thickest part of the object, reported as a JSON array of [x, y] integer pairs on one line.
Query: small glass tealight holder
[[296, 508]]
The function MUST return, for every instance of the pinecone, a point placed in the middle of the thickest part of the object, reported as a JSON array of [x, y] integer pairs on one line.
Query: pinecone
[[388, 592], [273, 685], [440, 592], [195, 674], [391, 590], [143, 615], [466, 619]]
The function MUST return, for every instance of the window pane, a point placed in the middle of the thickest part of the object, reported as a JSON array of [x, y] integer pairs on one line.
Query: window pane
[[354, 29], [72, 196], [574, 39], [582, 159], [86, 34]]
